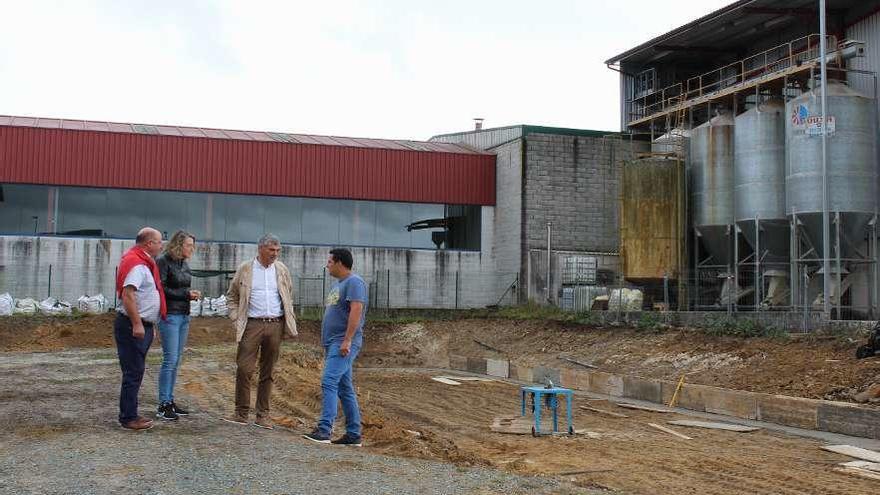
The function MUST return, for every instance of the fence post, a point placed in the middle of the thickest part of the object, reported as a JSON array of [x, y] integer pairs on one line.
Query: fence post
[[387, 292], [516, 290], [49, 289], [665, 291], [323, 285], [299, 290], [115, 294], [456, 288]]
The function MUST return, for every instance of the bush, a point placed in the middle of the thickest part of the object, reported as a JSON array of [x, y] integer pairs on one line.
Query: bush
[[649, 322], [740, 327]]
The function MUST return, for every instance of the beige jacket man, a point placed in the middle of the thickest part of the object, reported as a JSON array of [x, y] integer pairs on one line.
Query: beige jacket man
[[239, 293]]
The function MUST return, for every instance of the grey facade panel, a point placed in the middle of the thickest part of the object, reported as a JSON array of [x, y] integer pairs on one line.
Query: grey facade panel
[[484, 139], [868, 31]]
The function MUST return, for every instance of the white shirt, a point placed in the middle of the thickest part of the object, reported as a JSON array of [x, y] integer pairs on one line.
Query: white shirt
[[265, 302], [146, 296]]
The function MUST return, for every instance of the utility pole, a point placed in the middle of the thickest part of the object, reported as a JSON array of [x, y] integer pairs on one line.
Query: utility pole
[[826, 224]]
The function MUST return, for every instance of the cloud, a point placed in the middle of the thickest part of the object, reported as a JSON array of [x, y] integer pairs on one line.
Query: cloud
[[385, 69]]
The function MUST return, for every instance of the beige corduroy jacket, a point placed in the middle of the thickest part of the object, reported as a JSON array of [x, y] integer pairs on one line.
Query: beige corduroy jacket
[[239, 294]]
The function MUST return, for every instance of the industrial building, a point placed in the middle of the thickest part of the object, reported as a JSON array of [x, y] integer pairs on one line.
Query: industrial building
[[770, 198], [74, 193], [557, 212]]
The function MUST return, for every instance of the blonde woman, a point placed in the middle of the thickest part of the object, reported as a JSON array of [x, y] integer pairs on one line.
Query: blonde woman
[[174, 329]]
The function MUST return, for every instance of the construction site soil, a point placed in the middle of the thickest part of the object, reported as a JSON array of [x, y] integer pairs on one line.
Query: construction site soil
[[408, 414]]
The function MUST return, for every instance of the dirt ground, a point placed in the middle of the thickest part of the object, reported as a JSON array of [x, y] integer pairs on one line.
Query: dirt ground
[[813, 367], [407, 414]]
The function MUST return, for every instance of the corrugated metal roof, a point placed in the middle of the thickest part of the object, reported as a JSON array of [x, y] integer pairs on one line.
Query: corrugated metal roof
[[93, 154], [716, 29], [197, 132], [486, 139]]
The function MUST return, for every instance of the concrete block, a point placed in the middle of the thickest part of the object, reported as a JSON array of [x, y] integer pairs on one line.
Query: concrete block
[[498, 367], [849, 419], [540, 374], [457, 362], [788, 411], [734, 403], [476, 365], [583, 379], [568, 378], [689, 397], [642, 389], [606, 383], [521, 372]]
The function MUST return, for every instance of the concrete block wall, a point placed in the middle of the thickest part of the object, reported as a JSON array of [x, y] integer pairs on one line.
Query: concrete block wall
[[811, 414], [574, 182], [506, 228], [418, 278]]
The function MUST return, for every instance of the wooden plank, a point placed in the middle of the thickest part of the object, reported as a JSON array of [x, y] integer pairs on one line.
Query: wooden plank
[[466, 378], [516, 425], [643, 408], [589, 434], [857, 452], [870, 466], [579, 363], [487, 346], [670, 431], [864, 473], [602, 411], [443, 379], [713, 426]]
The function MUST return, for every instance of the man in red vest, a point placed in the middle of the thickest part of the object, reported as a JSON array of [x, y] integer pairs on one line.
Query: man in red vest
[[141, 304]]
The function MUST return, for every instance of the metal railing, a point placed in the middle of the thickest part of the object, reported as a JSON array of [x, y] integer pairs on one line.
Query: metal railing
[[755, 67]]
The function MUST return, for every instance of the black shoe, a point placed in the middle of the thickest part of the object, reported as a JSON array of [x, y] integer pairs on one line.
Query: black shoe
[[348, 439], [179, 410], [166, 412], [317, 436]]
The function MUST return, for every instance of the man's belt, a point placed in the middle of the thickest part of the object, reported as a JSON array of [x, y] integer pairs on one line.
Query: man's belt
[[274, 319]]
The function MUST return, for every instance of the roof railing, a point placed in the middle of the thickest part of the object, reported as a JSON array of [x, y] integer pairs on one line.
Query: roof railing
[[761, 65]]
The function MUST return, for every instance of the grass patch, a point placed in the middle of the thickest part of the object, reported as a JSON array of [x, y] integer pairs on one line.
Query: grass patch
[[741, 327]]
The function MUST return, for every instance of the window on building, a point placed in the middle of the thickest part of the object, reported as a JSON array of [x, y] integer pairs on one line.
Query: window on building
[[357, 223], [119, 213]]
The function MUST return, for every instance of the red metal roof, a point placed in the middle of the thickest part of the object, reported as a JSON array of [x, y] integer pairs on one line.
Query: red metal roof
[[137, 156]]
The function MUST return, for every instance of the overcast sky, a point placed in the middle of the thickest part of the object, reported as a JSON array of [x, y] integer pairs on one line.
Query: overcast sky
[[387, 69]]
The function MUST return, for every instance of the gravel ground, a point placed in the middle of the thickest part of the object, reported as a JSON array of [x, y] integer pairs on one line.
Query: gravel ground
[[60, 436]]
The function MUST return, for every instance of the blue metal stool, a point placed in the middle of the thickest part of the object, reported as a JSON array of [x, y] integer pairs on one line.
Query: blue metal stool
[[552, 402]]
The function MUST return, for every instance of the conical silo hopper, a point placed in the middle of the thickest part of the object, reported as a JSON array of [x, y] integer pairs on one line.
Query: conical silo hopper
[[759, 181], [711, 169], [851, 166]]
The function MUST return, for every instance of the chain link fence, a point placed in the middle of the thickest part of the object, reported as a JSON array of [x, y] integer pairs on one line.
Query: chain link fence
[[717, 293], [388, 289]]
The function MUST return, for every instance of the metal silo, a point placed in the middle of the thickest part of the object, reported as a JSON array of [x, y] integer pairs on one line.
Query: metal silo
[[759, 186], [851, 173], [711, 169]]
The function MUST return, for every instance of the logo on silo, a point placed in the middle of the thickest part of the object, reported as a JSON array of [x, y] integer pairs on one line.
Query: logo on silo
[[799, 116]]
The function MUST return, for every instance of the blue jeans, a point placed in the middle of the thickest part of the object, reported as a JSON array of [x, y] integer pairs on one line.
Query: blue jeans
[[132, 354], [336, 385], [174, 331]]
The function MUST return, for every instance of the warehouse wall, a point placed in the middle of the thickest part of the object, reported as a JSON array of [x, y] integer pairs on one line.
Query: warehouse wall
[[400, 278]]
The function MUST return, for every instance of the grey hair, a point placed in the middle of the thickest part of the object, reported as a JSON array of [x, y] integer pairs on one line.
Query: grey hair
[[268, 240]]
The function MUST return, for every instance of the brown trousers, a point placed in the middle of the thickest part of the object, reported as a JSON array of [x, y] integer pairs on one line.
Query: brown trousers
[[263, 338]]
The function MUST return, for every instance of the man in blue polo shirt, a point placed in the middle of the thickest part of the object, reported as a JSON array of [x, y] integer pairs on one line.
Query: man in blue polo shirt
[[342, 334]]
